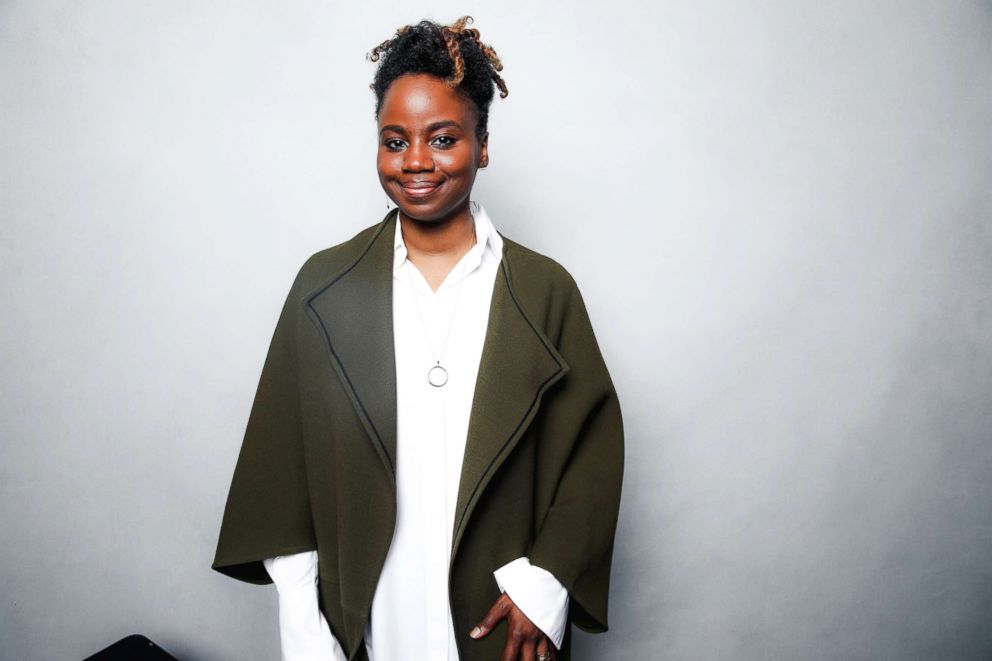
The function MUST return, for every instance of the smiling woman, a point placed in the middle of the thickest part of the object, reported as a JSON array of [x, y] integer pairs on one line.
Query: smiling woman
[[433, 409], [433, 89], [428, 150]]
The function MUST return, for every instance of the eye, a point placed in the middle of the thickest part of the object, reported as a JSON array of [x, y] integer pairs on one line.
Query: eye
[[393, 144], [445, 141]]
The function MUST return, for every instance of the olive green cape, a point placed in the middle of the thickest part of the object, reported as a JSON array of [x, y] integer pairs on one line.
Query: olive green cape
[[543, 464]]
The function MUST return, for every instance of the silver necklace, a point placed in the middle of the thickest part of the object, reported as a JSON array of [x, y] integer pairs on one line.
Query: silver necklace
[[437, 375]]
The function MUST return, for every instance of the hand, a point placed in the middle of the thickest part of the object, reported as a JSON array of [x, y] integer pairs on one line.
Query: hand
[[524, 640]]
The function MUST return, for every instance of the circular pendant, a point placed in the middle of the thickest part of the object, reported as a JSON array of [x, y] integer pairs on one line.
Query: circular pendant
[[438, 376]]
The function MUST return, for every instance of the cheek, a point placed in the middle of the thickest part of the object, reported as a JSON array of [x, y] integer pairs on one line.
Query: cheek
[[457, 161], [389, 160]]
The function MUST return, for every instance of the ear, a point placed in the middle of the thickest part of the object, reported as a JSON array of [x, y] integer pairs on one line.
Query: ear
[[484, 150]]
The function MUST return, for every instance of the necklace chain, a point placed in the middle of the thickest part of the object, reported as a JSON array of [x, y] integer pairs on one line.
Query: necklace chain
[[438, 372]]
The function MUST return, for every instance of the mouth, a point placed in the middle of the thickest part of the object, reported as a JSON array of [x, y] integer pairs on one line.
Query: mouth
[[420, 189]]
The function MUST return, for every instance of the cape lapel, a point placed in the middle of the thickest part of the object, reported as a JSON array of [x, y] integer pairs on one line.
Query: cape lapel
[[353, 311], [518, 365]]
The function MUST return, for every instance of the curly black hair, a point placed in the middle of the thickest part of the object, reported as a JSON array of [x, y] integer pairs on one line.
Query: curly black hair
[[453, 53]]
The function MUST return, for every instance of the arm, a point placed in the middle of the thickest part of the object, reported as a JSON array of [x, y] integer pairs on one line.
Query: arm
[[574, 542], [303, 630], [584, 448], [537, 593], [268, 504]]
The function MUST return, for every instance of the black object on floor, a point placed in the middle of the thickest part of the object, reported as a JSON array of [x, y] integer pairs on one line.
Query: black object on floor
[[132, 648]]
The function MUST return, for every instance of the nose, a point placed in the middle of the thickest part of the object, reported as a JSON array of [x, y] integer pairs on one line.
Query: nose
[[418, 157]]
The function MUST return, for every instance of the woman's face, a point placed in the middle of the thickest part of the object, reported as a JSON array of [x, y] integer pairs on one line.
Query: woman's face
[[428, 153]]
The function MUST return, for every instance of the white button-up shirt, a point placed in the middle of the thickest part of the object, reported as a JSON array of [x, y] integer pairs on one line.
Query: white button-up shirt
[[411, 617]]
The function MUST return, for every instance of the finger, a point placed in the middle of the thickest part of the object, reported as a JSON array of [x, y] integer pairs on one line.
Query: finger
[[527, 652], [496, 613], [542, 646], [511, 651]]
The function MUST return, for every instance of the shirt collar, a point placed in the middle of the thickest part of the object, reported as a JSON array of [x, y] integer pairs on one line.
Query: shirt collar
[[487, 240]]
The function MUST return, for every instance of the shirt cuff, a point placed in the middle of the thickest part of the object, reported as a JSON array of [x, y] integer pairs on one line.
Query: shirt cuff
[[303, 630], [536, 592]]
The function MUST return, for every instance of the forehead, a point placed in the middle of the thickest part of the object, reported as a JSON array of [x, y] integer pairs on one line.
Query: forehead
[[419, 99]]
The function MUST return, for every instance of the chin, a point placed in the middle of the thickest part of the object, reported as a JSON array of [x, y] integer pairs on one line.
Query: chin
[[423, 212], [415, 212]]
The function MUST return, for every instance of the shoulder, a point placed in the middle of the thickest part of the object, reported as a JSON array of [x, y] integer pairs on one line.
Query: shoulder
[[323, 264], [531, 269], [543, 288]]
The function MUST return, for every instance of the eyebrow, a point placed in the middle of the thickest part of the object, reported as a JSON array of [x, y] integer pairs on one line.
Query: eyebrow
[[430, 127]]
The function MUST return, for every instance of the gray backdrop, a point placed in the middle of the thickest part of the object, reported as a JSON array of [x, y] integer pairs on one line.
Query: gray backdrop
[[778, 213]]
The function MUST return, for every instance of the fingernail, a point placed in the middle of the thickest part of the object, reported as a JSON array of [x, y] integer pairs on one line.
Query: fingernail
[[475, 632]]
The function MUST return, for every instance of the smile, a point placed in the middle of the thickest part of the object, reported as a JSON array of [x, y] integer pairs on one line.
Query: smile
[[420, 189]]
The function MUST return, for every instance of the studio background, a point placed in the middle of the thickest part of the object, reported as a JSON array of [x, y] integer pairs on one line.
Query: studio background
[[778, 214]]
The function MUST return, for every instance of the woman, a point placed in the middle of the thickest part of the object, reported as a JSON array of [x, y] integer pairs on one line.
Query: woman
[[432, 465]]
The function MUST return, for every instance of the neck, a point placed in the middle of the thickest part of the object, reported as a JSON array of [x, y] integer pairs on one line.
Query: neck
[[453, 234]]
